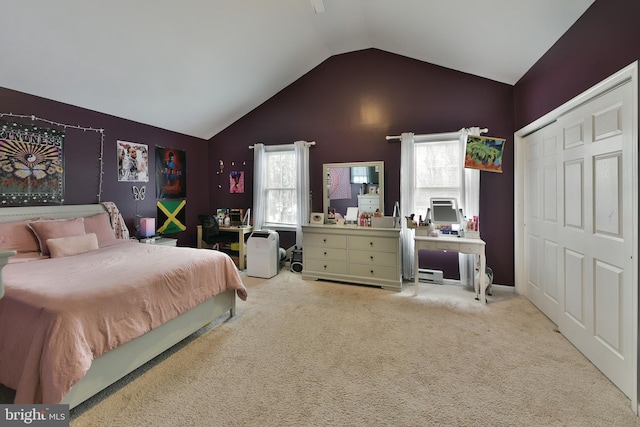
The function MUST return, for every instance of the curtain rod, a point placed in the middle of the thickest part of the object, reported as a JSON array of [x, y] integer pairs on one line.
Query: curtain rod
[[432, 135], [251, 147]]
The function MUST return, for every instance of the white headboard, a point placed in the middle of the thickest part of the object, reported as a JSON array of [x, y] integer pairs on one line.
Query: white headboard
[[65, 211], [27, 212], [4, 258]]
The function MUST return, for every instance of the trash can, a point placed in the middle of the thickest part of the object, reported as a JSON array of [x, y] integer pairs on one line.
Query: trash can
[[263, 254]]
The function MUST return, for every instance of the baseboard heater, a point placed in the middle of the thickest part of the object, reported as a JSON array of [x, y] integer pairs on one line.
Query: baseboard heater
[[430, 276]]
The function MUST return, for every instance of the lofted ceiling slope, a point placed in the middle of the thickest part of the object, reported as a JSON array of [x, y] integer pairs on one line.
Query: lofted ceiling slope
[[197, 66]]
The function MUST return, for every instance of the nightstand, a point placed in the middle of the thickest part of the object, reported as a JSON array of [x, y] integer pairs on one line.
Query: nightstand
[[164, 241]]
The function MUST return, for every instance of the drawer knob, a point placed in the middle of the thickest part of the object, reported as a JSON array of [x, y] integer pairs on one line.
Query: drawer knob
[[371, 257], [324, 240], [371, 244], [372, 272], [324, 266], [325, 254]]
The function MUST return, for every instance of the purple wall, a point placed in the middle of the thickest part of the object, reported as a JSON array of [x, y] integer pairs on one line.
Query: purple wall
[[603, 41], [349, 103], [82, 151]]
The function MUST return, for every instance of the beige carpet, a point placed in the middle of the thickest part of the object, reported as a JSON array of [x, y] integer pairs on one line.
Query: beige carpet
[[304, 353]]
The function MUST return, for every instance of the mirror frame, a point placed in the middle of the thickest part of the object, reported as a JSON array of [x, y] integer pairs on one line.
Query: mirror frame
[[325, 184]]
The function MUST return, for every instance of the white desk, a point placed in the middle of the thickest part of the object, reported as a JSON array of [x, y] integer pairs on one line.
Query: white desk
[[238, 234], [454, 244]]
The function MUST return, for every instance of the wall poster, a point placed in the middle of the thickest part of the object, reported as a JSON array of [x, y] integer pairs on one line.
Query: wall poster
[[484, 153], [236, 182], [171, 173], [133, 162], [31, 165]]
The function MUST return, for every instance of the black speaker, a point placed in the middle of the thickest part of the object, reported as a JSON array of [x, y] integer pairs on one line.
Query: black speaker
[[296, 260]]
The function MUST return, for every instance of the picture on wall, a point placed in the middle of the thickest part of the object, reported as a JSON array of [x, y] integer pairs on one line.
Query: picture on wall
[[133, 162], [236, 182], [484, 153], [171, 173], [31, 165]]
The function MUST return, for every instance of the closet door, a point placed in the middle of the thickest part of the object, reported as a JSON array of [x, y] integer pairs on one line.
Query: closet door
[[597, 232], [542, 211]]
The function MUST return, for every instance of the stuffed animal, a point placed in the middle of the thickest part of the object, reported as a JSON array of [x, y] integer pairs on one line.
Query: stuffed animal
[[489, 278]]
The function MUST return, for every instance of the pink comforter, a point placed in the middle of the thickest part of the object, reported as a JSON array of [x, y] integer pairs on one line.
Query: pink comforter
[[57, 315]]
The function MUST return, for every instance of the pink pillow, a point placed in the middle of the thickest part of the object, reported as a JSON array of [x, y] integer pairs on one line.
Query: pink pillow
[[55, 228], [72, 245], [100, 224], [17, 236]]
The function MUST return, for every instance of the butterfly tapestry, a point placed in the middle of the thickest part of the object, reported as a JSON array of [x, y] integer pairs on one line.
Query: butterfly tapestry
[[31, 165]]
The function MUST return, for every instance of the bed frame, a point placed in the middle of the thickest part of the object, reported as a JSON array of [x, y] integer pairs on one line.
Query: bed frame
[[117, 363]]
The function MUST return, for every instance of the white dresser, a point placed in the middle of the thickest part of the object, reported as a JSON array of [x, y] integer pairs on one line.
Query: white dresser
[[364, 255], [368, 202]]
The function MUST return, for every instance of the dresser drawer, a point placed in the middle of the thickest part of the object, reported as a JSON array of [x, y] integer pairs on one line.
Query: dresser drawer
[[363, 255], [369, 204], [459, 247], [325, 253], [326, 266], [448, 246], [325, 240], [373, 244], [374, 271], [373, 258], [470, 249]]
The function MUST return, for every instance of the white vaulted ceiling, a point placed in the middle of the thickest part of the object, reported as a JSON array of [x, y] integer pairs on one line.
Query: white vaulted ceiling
[[196, 66]]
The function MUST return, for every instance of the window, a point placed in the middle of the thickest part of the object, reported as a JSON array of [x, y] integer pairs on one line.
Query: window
[[280, 188], [438, 173], [364, 175], [432, 166]]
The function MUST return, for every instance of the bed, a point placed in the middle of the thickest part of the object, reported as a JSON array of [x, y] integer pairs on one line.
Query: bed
[[81, 310]]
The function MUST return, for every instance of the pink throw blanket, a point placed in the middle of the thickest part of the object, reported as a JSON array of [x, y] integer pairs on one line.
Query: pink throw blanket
[[59, 314]]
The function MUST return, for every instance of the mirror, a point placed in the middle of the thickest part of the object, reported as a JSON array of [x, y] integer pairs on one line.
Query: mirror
[[357, 184]]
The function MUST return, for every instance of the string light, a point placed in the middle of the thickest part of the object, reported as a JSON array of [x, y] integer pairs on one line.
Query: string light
[[65, 126]]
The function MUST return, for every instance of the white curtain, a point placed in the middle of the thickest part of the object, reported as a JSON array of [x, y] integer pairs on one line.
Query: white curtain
[[470, 200], [471, 206], [259, 207], [407, 186], [303, 192]]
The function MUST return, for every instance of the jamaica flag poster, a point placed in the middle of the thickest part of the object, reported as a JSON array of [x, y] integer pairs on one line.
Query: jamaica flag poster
[[171, 216]]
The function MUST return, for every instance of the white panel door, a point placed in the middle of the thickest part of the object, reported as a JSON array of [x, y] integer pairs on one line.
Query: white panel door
[[595, 233], [541, 214]]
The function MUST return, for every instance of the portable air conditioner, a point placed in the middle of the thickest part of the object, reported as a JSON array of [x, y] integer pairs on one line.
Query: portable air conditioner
[[263, 254]]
